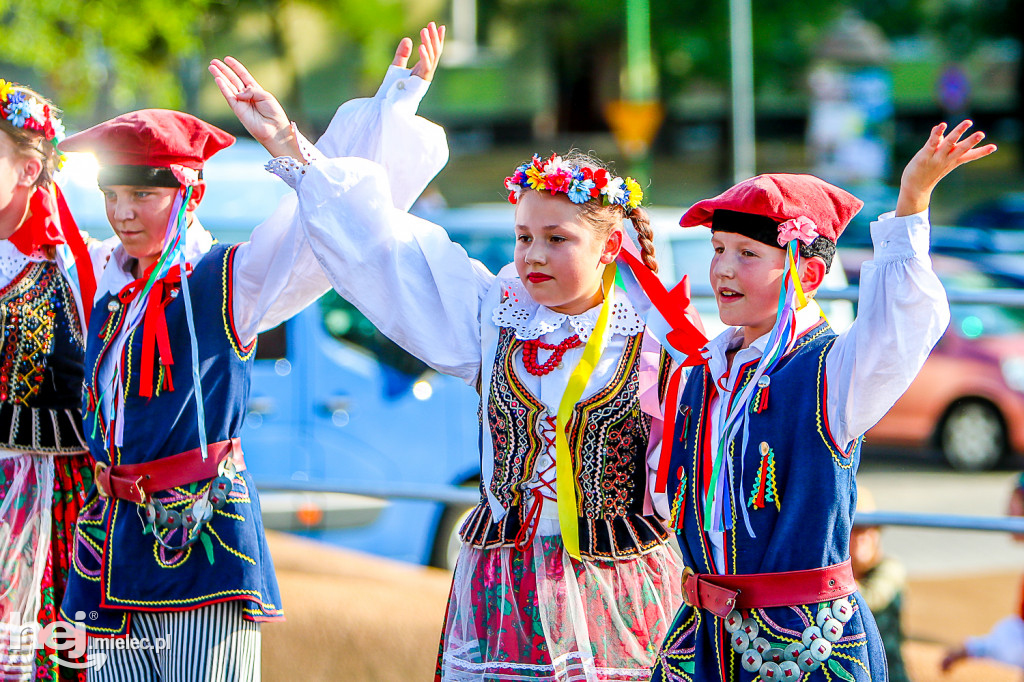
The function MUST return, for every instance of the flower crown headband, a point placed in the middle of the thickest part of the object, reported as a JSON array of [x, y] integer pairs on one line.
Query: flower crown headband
[[579, 183], [23, 111]]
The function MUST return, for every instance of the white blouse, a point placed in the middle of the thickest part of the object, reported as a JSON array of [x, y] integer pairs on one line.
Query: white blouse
[[275, 273]]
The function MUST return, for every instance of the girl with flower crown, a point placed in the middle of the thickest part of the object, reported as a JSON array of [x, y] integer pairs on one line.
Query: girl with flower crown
[[45, 468], [564, 572]]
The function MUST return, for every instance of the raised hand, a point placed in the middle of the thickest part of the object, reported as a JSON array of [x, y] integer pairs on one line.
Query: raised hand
[[257, 109], [431, 46], [939, 155]]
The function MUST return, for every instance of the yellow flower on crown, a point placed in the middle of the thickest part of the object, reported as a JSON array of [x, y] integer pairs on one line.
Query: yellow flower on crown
[[5, 89], [636, 194], [536, 178]]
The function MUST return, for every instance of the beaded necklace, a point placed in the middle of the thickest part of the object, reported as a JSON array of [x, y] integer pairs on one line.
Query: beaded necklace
[[530, 347]]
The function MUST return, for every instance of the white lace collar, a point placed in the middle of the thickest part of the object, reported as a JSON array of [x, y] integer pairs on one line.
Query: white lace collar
[[13, 261], [530, 320]]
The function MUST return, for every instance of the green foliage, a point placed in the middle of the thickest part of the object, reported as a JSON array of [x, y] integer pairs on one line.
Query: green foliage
[[111, 50]]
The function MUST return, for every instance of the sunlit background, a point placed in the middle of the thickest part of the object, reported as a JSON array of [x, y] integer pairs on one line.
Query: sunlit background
[[686, 96]]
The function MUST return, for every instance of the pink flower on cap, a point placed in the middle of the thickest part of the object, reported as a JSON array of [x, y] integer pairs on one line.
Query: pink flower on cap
[[802, 228]]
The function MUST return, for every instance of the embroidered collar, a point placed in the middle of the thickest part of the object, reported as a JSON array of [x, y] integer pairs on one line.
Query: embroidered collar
[[530, 320], [118, 271]]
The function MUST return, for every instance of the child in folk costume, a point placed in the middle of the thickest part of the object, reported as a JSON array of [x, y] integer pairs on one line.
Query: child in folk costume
[[170, 545], [564, 572], [45, 467], [767, 435]]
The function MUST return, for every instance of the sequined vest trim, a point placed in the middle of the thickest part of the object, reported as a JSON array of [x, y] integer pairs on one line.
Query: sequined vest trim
[[42, 354]]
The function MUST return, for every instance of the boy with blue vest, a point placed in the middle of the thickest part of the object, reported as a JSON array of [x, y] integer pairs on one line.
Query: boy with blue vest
[[768, 431], [170, 549]]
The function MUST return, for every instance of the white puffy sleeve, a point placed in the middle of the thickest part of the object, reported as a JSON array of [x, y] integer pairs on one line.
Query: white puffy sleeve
[[901, 314], [410, 280], [275, 273]]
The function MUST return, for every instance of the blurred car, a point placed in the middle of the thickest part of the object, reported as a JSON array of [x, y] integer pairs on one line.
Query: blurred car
[[968, 399], [1003, 213]]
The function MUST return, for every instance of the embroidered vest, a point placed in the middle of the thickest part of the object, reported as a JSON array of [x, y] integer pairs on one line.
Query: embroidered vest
[[41, 363], [608, 435], [116, 565], [798, 489]]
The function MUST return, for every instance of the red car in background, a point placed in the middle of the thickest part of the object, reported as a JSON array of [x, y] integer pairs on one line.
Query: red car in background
[[968, 399]]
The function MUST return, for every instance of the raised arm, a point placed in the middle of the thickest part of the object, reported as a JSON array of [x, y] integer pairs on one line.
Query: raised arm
[[902, 309], [410, 280], [275, 273]]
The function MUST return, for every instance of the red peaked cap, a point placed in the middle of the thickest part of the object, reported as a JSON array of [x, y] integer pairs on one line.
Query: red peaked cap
[[151, 137], [782, 197]]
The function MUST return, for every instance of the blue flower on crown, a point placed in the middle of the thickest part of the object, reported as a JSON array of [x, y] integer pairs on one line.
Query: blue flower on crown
[[18, 110], [579, 190]]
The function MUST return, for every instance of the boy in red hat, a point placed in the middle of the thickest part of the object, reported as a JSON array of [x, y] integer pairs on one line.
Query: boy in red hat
[[169, 548], [768, 431]]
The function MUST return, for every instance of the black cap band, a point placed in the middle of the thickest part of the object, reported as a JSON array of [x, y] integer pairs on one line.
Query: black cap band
[[138, 176], [766, 231], [757, 227]]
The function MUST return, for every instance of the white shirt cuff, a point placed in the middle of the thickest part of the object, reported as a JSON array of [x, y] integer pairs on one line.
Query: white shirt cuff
[[292, 170], [900, 238], [401, 88]]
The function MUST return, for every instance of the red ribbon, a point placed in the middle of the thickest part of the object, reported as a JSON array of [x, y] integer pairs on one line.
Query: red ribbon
[[687, 336], [50, 223], [155, 337]]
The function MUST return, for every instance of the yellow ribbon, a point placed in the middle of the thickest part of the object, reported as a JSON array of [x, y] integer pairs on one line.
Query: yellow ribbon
[[801, 298], [793, 275], [565, 476]]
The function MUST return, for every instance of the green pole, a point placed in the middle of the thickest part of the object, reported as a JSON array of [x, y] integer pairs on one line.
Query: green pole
[[639, 67], [639, 86]]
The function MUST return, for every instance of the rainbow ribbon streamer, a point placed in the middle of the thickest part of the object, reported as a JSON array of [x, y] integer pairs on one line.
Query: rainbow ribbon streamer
[[734, 413], [565, 477]]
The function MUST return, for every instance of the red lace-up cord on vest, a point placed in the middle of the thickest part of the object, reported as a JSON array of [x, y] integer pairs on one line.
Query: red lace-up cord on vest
[[528, 531]]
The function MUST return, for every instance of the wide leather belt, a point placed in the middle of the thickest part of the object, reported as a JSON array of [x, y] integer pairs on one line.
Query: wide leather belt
[[137, 482], [721, 594]]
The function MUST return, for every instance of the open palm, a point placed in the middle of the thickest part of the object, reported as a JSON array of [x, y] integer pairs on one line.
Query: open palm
[[258, 110]]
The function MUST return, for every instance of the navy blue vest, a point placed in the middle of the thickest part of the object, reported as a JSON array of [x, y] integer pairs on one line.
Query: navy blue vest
[[799, 491], [118, 568]]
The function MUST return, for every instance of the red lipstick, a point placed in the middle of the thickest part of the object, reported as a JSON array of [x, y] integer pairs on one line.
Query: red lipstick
[[538, 277]]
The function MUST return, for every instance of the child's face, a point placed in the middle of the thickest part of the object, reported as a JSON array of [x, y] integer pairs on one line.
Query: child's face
[[746, 276], [559, 258], [18, 173], [139, 217]]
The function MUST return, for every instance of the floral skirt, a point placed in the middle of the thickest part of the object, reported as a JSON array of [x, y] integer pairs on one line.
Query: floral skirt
[[541, 615], [40, 497]]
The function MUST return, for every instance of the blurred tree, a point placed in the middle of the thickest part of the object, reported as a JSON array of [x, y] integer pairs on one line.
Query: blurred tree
[[100, 57], [690, 41], [103, 52]]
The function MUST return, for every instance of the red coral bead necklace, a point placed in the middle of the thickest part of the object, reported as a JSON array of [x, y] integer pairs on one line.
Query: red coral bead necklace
[[531, 346]]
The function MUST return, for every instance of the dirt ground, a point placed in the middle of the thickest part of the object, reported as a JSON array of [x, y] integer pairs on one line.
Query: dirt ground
[[364, 619]]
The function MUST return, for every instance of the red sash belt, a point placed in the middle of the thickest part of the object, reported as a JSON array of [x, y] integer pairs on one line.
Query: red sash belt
[[720, 594], [136, 482]]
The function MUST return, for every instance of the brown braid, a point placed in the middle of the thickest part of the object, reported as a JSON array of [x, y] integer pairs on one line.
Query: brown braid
[[642, 224]]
